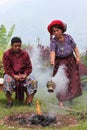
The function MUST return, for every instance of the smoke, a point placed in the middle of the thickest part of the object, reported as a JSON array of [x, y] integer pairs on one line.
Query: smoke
[[61, 80], [41, 71]]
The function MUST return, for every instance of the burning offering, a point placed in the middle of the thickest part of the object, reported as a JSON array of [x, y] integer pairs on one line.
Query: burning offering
[[38, 119], [41, 119], [38, 110]]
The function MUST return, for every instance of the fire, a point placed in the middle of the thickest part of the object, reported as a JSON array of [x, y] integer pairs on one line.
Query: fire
[[38, 110]]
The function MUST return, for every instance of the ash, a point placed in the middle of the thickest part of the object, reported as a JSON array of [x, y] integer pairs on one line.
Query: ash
[[43, 120]]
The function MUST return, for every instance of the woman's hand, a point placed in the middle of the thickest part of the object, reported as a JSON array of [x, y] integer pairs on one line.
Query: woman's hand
[[78, 60], [77, 55], [52, 62]]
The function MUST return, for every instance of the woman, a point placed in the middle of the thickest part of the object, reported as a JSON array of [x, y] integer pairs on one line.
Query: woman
[[64, 51]]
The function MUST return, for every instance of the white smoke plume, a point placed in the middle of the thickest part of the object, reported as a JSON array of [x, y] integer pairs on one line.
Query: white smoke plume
[[61, 80], [41, 72]]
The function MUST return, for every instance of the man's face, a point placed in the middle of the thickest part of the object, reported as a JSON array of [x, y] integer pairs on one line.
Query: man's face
[[16, 47]]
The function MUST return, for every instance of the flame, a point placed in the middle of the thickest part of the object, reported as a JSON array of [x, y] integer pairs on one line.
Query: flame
[[38, 110]]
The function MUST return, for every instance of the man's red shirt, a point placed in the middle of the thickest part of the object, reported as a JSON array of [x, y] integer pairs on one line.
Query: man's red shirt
[[17, 64]]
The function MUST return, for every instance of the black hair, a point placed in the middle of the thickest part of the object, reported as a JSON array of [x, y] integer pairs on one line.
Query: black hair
[[15, 40], [56, 26]]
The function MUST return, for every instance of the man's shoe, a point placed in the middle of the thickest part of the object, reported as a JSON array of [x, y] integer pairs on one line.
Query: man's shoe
[[9, 105]]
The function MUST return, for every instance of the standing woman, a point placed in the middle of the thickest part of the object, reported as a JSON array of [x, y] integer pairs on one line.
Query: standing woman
[[64, 51]]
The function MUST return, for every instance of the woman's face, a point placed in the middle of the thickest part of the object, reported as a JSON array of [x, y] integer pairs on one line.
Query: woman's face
[[57, 32]]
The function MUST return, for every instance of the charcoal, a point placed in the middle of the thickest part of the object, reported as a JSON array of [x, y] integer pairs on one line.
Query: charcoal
[[42, 120], [22, 121]]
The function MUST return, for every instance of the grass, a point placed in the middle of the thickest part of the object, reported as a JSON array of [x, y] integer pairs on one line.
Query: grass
[[48, 103]]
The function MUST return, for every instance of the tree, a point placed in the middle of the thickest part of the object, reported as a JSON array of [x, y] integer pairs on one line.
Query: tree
[[5, 37], [4, 43]]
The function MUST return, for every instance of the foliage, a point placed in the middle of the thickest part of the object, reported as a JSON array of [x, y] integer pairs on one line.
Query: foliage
[[5, 37], [1, 70], [84, 58], [4, 43]]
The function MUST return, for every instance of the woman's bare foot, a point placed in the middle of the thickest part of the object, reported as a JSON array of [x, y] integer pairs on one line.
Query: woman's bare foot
[[61, 105]]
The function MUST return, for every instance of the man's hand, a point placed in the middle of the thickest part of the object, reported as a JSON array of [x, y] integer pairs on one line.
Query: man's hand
[[22, 77], [17, 77]]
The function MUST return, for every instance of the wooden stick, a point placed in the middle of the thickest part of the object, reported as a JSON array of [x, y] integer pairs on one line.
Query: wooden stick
[[67, 109], [70, 110]]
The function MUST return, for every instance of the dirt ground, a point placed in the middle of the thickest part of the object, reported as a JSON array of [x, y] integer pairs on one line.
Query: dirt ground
[[61, 121]]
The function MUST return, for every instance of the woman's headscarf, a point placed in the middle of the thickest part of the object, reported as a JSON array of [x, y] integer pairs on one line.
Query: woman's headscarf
[[62, 25]]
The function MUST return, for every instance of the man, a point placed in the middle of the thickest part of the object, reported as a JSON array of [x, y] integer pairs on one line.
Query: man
[[18, 67]]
